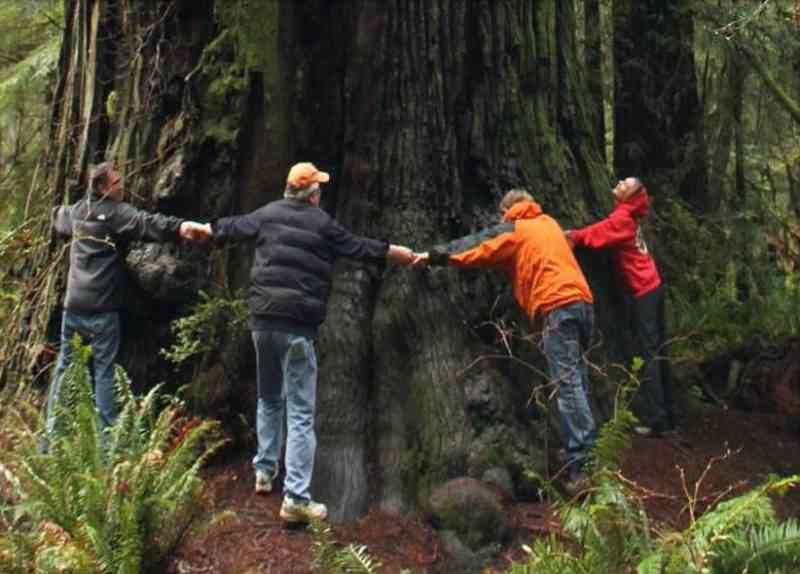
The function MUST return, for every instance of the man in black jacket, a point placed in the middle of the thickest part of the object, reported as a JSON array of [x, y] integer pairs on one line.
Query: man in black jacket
[[290, 282], [99, 225]]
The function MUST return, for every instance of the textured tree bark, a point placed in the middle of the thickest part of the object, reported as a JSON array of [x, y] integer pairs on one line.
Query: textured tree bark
[[657, 116], [593, 62], [425, 112]]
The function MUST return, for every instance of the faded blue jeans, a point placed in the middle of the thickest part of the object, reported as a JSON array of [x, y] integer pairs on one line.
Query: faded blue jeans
[[102, 332], [565, 340], [287, 380]]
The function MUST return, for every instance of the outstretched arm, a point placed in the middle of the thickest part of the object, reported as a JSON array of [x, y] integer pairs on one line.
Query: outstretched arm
[[491, 247], [614, 229], [137, 225]]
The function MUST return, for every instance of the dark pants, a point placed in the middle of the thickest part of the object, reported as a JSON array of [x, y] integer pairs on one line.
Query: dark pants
[[656, 381]]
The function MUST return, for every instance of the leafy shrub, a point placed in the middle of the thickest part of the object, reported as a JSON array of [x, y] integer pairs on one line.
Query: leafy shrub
[[726, 289], [608, 529], [201, 332], [115, 501]]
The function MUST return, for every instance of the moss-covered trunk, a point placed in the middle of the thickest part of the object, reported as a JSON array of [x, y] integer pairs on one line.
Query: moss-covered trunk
[[657, 115], [425, 112]]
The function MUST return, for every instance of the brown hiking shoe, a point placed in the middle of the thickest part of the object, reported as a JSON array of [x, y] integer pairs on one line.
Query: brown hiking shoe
[[302, 511], [264, 481]]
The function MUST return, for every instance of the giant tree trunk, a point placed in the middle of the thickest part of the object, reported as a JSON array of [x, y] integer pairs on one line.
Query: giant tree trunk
[[657, 115], [425, 112]]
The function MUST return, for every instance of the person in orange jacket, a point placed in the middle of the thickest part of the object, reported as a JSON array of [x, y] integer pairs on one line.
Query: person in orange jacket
[[530, 247], [621, 232]]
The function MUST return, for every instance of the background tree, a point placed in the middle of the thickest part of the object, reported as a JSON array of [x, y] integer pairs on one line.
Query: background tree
[[657, 115]]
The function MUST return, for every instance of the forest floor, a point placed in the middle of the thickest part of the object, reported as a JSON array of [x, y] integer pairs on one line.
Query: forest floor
[[717, 451]]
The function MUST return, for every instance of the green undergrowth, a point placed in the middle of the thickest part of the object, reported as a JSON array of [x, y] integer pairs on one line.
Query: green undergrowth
[[331, 557], [607, 529], [113, 501], [728, 286]]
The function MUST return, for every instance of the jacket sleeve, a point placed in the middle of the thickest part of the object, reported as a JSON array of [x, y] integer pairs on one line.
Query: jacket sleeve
[[492, 247], [134, 224], [236, 228], [62, 220], [347, 244], [616, 228]]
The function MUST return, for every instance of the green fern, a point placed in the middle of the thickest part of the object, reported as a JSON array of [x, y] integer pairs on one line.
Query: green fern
[[728, 537], [614, 437], [120, 499], [330, 558], [763, 550]]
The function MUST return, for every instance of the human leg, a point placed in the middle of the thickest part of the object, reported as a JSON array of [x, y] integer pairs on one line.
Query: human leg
[[68, 329], [105, 338], [300, 372], [270, 348], [649, 332], [565, 329]]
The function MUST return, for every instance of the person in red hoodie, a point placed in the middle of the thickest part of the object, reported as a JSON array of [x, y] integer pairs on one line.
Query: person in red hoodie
[[621, 231]]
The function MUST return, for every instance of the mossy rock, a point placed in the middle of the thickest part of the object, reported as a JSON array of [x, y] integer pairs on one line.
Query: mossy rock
[[472, 509]]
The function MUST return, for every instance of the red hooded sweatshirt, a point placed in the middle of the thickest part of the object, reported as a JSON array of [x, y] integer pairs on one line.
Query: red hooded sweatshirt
[[621, 232]]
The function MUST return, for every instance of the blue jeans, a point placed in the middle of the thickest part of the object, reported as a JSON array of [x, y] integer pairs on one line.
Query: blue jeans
[[101, 331], [565, 340], [287, 380]]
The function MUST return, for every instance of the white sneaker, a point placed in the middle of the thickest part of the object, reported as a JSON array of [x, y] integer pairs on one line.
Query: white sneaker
[[299, 511], [264, 482]]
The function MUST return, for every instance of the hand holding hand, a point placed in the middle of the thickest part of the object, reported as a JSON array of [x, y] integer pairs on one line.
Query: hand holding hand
[[193, 231], [400, 254], [420, 259]]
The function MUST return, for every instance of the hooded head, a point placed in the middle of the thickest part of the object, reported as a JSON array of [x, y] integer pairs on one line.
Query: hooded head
[[519, 204], [303, 180], [631, 194]]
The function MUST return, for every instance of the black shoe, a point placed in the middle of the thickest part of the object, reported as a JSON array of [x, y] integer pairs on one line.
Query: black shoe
[[655, 431]]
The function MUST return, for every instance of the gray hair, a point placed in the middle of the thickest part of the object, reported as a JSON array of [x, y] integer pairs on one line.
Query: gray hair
[[515, 196], [302, 193]]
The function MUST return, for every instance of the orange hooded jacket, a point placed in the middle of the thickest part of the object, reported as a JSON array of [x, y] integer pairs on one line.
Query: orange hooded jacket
[[532, 249]]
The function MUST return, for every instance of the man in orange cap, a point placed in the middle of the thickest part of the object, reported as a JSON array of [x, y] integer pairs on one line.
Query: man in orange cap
[[296, 246], [547, 283]]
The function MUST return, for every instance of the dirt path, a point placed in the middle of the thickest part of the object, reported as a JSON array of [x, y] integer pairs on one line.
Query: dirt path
[[745, 447]]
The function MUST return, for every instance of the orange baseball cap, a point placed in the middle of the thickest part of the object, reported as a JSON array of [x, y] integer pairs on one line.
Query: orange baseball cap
[[304, 174]]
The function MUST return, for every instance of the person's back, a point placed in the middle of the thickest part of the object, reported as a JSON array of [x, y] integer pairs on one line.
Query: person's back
[[95, 267], [548, 283], [296, 246], [545, 274], [530, 246]]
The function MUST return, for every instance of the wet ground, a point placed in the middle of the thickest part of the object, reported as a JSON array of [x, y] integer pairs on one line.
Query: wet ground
[[717, 453]]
